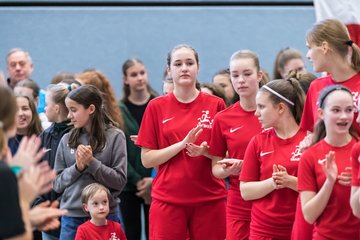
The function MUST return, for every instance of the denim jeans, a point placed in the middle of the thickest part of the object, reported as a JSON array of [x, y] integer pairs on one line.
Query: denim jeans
[[69, 225]]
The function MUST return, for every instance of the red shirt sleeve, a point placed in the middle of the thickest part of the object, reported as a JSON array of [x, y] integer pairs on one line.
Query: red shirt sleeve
[[251, 167], [306, 178], [355, 157], [307, 119], [217, 144], [149, 128], [80, 235]]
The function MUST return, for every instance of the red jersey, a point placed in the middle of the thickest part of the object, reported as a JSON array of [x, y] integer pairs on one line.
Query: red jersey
[[355, 157], [309, 116], [232, 131], [337, 220], [182, 180], [273, 215], [111, 231]]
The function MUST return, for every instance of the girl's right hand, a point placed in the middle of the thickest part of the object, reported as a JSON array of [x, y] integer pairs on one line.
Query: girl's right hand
[[192, 135], [329, 166]]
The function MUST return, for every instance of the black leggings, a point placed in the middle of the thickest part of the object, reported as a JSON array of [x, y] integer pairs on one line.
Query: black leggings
[[130, 207]]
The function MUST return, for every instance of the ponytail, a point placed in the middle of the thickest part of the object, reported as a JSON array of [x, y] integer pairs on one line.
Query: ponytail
[[355, 57], [290, 93]]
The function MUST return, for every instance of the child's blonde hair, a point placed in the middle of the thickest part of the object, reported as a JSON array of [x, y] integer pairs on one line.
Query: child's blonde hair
[[90, 190]]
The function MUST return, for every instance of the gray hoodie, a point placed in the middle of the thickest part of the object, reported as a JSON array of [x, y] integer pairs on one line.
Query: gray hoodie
[[107, 168]]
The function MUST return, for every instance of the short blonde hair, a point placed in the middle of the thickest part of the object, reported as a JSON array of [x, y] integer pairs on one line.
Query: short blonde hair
[[90, 190]]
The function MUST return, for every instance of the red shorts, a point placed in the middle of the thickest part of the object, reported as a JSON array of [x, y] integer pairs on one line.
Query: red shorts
[[237, 229], [176, 222]]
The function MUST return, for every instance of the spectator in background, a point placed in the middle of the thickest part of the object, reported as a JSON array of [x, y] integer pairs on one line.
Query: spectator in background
[[215, 90], [61, 76], [222, 79], [168, 83], [28, 122], [136, 194], [30, 88], [19, 66], [99, 80], [2, 79], [286, 60]]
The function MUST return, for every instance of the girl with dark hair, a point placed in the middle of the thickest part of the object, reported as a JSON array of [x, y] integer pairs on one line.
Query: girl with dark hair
[[187, 200], [325, 168], [136, 194], [93, 151], [56, 112], [269, 173]]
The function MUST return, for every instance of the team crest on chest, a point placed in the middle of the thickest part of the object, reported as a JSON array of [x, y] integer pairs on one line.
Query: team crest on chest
[[205, 120], [295, 156]]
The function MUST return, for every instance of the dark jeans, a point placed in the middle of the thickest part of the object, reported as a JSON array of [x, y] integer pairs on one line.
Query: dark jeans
[[130, 207], [69, 225]]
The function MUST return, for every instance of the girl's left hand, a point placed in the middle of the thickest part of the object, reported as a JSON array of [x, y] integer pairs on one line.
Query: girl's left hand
[[281, 178], [84, 154], [345, 177], [194, 150]]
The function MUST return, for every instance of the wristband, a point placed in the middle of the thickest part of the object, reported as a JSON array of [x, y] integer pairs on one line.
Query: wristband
[[17, 170]]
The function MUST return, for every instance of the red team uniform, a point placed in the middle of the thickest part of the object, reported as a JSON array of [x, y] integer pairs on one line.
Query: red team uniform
[[184, 187], [337, 220], [232, 130], [309, 116], [355, 156], [273, 215], [110, 231], [303, 230]]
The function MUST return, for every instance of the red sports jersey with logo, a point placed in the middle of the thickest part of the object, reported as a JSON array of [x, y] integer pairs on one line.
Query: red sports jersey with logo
[[309, 117], [183, 180], [337, 220], [110, 231], [355, 158], [273, 215], [232, 131]]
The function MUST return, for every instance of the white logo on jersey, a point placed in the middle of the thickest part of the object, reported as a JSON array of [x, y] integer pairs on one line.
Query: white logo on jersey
[[295, 156], [265, 153], [204, 120], [166, 120], [113, 236], [234, 129], [355, 99]]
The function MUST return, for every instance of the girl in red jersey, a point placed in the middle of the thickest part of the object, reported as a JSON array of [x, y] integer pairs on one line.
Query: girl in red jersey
[[185, 195], [232, 130], [269, 173], [330, 50], [355, 182], [324, 171]]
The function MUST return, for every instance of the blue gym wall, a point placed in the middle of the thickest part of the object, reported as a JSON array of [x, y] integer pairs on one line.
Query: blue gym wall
[[72, 38]]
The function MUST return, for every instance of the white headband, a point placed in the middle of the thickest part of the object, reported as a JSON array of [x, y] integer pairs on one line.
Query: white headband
[[279, 95]]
